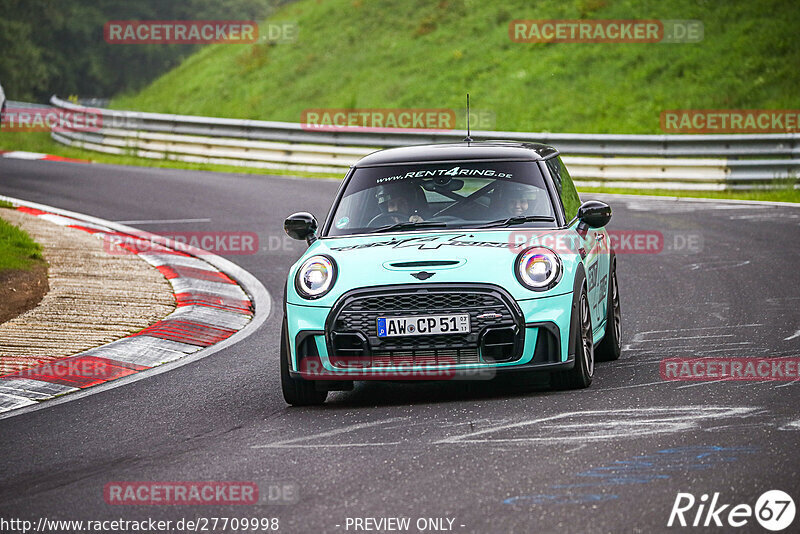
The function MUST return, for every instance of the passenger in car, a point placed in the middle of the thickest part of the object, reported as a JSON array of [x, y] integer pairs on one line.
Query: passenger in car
[[512, 199]]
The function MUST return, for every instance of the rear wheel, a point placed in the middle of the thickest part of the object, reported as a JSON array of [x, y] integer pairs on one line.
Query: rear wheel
[[296, 391], [610, 347], [580, 376]]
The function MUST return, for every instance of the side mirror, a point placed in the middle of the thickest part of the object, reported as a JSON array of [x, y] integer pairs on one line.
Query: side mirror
[[594, 213], [301, 226]]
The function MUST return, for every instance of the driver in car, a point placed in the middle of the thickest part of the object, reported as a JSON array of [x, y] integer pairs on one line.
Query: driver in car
[[397, 203]]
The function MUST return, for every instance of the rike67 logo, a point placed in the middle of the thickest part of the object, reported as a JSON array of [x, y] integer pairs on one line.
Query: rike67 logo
[[774, 510]]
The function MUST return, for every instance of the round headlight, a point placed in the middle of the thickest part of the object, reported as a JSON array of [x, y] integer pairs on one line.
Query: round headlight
[[315, 277], [538, 268]]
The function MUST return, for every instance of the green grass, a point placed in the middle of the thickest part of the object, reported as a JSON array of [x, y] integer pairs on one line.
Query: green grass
[[423, 54], [17, 249]]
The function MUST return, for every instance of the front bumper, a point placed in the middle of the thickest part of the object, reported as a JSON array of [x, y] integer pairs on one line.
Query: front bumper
[[340, 343]]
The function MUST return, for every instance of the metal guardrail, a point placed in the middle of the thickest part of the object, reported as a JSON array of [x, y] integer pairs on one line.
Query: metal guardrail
[[13, 104], [641, 161]]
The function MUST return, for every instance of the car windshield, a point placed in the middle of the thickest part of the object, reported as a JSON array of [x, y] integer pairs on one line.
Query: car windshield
[[443, 195]]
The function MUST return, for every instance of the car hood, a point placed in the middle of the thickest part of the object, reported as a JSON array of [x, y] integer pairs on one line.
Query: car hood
[[430, 258]]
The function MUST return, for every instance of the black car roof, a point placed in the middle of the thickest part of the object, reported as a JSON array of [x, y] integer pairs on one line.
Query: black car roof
[[476, 150]]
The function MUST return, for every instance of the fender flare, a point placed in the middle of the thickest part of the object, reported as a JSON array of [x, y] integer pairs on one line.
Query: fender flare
[[285, 324], [612, 267], [580, 279]]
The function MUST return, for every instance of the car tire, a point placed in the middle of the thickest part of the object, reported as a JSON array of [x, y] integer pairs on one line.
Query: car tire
[[610, 347], [580, 376], [296, 391]]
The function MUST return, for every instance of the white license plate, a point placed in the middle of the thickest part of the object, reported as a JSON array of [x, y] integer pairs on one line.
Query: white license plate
[[423, 325]]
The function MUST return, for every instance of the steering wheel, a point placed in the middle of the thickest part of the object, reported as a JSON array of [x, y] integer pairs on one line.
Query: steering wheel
[[394, 217]]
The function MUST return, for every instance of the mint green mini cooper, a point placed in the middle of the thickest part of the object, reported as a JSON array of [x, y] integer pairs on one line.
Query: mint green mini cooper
[[450, 261]]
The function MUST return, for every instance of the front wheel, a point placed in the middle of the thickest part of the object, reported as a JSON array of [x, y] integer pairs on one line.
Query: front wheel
[[580, 376], [610, 347], [296, 391]]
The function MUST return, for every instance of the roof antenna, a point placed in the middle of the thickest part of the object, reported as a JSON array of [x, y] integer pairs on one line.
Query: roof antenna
[[468, 139]]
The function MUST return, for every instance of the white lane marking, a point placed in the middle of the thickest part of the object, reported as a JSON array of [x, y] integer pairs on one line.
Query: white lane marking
[[736, 426], [705, 351], [660, 382], [292, 443], [21, 154], [159, 221], [796, 334], [579, 447], [763, 216], [601, 425], [710, 336], [328, 445], [10, 401], [699, 328], [638, 337], [716, 266], [784, 383], [58, 219], [794, 425]]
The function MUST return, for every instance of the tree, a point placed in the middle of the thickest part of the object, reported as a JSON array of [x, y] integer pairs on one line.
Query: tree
[[57, 46]]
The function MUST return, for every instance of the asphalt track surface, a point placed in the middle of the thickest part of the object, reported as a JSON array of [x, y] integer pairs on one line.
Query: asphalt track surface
[[501, 456]]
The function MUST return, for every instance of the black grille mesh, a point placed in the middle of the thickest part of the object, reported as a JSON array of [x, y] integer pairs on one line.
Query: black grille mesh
[[359, 313]]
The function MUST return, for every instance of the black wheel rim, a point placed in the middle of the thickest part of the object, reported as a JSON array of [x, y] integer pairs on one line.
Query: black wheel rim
[[586, 336]]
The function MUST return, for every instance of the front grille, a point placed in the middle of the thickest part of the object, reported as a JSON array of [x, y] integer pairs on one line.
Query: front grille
[[399, 358], [356, 313]]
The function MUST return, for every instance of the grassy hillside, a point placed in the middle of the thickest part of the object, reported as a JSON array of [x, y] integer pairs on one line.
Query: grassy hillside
[[424, 54]]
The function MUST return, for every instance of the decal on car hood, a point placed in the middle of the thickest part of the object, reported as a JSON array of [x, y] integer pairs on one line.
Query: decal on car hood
[[427, 243]]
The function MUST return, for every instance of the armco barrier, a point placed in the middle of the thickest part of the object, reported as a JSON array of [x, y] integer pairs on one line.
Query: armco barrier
[[711, 162]]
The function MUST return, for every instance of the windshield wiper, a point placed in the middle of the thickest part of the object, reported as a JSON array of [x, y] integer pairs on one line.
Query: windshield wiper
[[407, 225], [520, 219]]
